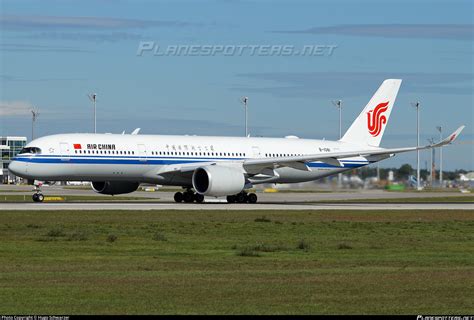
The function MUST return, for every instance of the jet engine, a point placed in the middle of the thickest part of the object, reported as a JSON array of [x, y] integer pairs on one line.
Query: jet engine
[[114, 187], [218, 180]]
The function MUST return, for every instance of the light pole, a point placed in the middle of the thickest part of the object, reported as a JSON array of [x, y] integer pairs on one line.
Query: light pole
[[338, 104], [93, 98], [431, 141], [245, 101], [34, 114], [440, 129], [417, 106]]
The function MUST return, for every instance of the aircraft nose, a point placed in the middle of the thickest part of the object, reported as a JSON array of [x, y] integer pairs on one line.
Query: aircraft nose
[[17, 168]]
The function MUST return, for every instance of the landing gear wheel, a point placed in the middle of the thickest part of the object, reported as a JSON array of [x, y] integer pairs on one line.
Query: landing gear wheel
[[178, 197], [199, 198], [231, 199], [188, 197], [38, 197], [252, 198], [242, 197]]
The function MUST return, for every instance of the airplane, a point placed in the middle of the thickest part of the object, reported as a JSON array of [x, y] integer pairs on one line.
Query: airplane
[[210, 165]]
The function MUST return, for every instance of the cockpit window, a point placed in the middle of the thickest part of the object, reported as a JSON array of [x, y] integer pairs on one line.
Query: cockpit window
[[32, 150]]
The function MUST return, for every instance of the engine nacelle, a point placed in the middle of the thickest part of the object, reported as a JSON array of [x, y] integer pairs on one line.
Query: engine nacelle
[[218, 181], [114, 187]]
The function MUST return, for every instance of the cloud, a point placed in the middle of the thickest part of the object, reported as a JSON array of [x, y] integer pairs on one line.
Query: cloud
[[93, 29], [37, 22], [331, 84], [14, 108], [85, 36], [10, 78], [21, 47], [427, 31]]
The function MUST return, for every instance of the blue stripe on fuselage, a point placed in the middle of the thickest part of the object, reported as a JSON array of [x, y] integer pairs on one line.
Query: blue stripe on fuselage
[[158, 161]]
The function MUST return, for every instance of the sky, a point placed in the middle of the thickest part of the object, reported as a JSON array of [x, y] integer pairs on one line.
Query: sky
[[53, 53]]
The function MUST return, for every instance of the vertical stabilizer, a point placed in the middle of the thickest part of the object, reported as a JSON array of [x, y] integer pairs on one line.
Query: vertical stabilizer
[[370, 125]]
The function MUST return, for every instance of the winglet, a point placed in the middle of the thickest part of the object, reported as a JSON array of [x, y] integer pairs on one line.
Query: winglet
[[449, 139]]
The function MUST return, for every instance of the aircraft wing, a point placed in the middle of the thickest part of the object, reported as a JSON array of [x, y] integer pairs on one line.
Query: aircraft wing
[[256, 165], [184, 169], [332, 158]]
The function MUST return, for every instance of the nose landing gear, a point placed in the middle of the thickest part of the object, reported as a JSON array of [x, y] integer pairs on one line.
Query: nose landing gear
[[38, 196]]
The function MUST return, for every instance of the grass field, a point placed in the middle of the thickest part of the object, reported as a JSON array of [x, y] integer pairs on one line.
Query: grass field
[[234, 262]]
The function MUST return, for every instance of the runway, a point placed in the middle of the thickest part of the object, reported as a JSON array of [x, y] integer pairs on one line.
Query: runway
[[225, 206], [163, 200]]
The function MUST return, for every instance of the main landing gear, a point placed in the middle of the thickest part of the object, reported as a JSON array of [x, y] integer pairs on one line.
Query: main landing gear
[[188, 196], [242, 197], [38, 196]]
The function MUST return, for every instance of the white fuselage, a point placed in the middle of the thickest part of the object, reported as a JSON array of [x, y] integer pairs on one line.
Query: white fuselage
[[142, 158]]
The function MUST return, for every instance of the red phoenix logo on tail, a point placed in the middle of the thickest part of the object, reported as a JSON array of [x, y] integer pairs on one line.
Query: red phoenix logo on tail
[[376, 119]]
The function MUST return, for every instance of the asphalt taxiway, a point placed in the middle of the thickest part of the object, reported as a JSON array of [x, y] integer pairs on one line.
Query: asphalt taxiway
[[163, 200], [226, 206]]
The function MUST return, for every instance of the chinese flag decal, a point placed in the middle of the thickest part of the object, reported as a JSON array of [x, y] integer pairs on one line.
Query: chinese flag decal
[[77, 146]]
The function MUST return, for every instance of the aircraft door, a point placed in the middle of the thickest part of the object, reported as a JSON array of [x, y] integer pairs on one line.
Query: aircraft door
[[65, 151], [256, 152], [142, 152]]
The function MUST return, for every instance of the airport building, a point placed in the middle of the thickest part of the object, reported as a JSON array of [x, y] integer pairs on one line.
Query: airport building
[[9, 148]]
